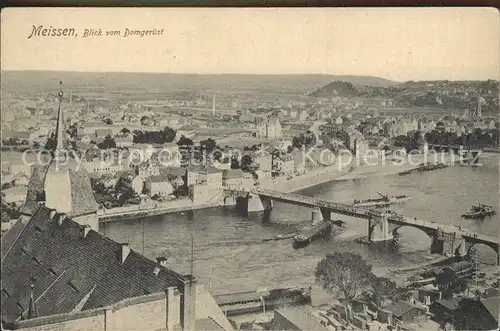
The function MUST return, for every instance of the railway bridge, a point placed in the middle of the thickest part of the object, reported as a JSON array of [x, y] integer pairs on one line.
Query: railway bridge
[[381, 226]]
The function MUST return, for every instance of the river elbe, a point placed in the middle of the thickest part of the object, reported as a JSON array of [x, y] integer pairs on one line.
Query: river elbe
[[229, 254]]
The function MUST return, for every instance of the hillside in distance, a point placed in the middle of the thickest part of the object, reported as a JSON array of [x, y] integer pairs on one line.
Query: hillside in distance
[[336, 88], [35, 82], [435, 94]]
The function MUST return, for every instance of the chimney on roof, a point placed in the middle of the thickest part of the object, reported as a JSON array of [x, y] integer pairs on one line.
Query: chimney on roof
[[86, 230], [52, 213], [124, 251], [162, 261], [32, 311], [61, 219], [188, 304]]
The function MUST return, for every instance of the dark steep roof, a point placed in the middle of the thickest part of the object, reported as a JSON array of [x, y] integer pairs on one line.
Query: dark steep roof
[[71, 271], [83, 201], [400, 308], [35, 186], [492, 304]]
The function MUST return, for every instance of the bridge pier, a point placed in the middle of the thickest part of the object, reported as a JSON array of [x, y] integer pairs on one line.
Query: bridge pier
[[378, 228], [316, 216], [449, 244], [258, 203], [460, 247], [326, 213]]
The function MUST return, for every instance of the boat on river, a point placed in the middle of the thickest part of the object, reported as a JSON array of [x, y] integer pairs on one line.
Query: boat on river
[[480, 211], [425, 167], [308, 234], [383, 201]]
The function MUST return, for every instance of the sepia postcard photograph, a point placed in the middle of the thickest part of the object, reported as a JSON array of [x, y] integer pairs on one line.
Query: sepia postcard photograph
[[206, 169]]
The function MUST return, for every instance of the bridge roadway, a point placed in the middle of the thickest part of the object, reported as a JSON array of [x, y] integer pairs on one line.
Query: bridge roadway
[[366, 213]]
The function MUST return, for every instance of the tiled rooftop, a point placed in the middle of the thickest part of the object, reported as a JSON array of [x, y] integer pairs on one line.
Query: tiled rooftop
[[69, 270], [400, 308], [492, 304]]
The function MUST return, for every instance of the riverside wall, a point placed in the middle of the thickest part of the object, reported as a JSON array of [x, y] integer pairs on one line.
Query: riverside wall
[[317, 176]]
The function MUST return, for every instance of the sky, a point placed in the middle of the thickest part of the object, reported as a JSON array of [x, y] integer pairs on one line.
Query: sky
[[394, 43]]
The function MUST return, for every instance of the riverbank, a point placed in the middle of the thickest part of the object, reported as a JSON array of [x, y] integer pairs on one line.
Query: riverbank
[[386, 167], [318, 176], [312, 178], [176, 206], [309, 179]]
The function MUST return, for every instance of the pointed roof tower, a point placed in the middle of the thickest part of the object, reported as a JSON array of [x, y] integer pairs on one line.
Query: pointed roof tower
[[63, 184], [59, 152]]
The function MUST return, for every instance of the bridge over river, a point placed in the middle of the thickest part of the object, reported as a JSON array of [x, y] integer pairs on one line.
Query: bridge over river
[[446, 239]]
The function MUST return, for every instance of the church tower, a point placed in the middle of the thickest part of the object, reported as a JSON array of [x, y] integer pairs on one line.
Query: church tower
[[62, 184]]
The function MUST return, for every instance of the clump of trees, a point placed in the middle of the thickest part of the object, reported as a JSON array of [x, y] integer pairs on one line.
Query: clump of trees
[[412, 141], [107, 143], [118, 195], [348, 275], [166, 135], [343, 272], [304, 139]]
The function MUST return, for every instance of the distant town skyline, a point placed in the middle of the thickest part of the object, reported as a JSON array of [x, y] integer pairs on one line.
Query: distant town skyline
[[398, 44]]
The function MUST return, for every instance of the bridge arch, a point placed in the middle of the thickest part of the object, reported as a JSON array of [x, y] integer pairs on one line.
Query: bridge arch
[[418, 239], [431, 233], [484, 253]]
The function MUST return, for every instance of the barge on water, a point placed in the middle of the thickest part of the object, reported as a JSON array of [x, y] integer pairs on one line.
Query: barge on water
[[480, 211], [383, 201], [240, 303], [308, 234], [425, 167]]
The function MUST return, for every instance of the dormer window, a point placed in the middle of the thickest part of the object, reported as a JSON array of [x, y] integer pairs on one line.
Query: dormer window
[[73, 286], [52, 271]]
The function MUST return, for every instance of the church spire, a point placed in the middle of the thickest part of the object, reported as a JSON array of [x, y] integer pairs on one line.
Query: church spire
[[60, 126]]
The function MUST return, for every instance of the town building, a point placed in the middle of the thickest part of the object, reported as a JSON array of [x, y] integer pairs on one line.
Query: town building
[[102, 166], [158, 185], [20, 179], [299, 163], [302, 116], [237, 179], [14, 195], [147, 169], [353, 140], [268, 127], [265, 161], [205, 186], [292, 318], [402, 312], [124, 141], [210, 176], [283, 164]]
